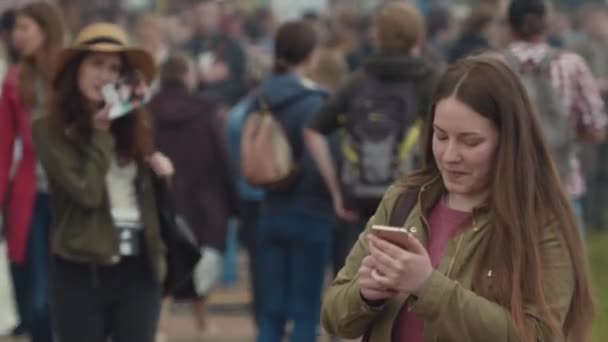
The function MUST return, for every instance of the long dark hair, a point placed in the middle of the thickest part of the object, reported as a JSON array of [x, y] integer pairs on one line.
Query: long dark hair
[[48, 17], [525, 196], [72, 118]]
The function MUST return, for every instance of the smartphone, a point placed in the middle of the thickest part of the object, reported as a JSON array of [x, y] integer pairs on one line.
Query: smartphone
[[395, 235], [125, 95], [114, 95]]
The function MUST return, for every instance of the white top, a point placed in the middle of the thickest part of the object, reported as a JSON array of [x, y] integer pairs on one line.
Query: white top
[[120, 182]]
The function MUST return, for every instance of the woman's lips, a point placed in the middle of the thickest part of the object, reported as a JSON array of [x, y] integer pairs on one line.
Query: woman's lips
[[454, 175]]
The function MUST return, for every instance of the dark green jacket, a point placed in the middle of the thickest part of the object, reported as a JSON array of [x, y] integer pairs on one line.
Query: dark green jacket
[[83, 229], [450, 309]]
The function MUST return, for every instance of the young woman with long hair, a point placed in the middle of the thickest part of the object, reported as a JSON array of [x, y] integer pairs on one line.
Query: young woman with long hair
[[38, 36], [493, 251], [108, 255]]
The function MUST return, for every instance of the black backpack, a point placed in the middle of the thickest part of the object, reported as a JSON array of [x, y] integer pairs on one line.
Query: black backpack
[[380, 132]]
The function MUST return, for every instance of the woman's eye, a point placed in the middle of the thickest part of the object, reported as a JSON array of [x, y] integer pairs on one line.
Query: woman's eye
[[472, 142]]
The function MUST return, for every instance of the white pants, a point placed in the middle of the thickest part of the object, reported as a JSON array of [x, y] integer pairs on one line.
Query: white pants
[[8, 317]]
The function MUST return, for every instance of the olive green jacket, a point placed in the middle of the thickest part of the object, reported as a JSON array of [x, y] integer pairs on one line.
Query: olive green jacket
[[451, 311], [83, 229]]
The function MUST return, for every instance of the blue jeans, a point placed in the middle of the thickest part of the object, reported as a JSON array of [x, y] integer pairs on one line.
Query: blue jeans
[[293, 249], [32, 278], [248, 231], [230, 261]]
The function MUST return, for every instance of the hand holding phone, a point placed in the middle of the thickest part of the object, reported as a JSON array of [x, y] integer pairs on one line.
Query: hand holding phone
[[396, 235], [401, 262], [128, 93]]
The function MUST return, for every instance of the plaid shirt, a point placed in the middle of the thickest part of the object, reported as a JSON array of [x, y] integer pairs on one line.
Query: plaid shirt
[[577, 87]]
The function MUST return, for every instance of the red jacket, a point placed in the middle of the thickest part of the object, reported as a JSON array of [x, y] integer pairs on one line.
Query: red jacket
[[15, 121]]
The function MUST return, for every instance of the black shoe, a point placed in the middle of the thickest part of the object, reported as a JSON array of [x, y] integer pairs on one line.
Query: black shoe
[[19, 330]]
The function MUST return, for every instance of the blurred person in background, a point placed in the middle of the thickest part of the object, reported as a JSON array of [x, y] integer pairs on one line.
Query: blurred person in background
[[351, 33], [475, 35], [151, 33], [179, 28], [331, 70], [100, 13], [187, 132], [108, 254], [8, 311], [220, 61], [491, 249], [8, 52], [38, 35], [365, 49], [593, 46], [250, 198], [393, 87], [258, 45], [440, 32], [561, 29], [319, 24], [572, 96], [233, 24], [295, 225]]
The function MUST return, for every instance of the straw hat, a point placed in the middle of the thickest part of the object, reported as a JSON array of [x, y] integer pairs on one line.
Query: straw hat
[[106, 37]]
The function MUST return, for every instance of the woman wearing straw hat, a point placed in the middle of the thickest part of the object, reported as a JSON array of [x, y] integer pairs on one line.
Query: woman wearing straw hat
[[38, 36], [107, 251]]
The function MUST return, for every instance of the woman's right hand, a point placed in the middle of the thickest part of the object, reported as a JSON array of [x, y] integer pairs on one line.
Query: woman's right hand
[[342, 212], [101, 119], [371, 290]]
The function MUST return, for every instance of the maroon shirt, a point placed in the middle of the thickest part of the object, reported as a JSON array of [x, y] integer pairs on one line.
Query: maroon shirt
[[444, 224]]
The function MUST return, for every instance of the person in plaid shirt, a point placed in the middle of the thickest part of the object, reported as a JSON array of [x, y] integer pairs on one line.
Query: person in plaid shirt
[[570, 76]]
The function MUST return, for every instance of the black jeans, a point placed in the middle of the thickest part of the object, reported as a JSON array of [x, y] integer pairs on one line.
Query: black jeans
[[93, 303]]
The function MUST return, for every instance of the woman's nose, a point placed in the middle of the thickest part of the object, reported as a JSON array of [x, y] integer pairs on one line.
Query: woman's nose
[[451, 152]]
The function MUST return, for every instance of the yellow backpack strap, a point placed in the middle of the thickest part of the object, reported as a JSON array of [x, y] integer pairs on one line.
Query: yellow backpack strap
[[411, 138], [348, 152]]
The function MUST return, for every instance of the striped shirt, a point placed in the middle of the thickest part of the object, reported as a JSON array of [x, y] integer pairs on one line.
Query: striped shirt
[[120, 183], [578, 89]]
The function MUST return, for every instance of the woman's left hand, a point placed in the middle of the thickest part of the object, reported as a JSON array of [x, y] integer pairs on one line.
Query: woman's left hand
[[161, 165], [404, 270]]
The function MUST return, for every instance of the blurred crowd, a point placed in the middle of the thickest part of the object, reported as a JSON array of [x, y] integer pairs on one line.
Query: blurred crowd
[[215, 58]]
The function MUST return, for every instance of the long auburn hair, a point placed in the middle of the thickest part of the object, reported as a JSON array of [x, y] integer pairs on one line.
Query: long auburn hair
[[525, 195], [71, 117], [48, 17]]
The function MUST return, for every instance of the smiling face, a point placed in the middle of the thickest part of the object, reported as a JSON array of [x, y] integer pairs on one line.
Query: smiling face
[[464, 146]]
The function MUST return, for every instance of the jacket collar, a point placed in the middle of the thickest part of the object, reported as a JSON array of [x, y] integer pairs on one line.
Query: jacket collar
[[432, 191]]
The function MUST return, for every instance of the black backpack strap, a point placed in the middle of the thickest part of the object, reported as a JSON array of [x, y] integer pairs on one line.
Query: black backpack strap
[[403, 207]]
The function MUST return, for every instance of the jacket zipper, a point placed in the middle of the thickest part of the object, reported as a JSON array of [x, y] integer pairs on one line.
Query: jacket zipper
[[453, 261]]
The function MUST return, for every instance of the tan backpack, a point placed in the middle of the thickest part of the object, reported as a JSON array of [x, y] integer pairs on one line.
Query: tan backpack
[[266, 155]]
